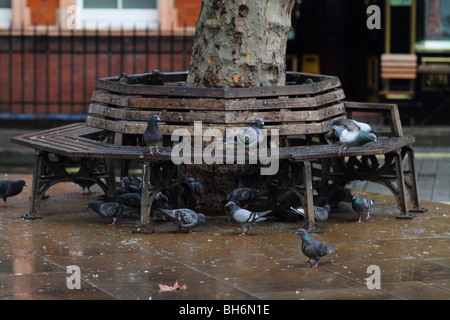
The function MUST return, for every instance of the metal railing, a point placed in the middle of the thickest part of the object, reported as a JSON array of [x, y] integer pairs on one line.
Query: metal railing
[[50, 73]]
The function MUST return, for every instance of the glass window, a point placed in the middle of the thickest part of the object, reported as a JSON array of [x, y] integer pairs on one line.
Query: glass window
[[139, 4], [437, 20], [100, 4], [5, 4]]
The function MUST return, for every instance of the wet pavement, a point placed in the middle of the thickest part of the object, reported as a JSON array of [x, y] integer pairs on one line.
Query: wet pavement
[[413, 256]]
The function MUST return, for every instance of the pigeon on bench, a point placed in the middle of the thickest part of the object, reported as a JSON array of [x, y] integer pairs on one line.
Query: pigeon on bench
[[250, 138], [152, 135], [350, 133]]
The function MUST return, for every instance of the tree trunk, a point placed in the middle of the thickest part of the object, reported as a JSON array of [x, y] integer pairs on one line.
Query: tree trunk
[[240, 43]]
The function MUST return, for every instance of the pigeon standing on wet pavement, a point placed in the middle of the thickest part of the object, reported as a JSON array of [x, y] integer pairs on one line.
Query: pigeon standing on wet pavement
[[130, 199], [111, 210], [191, 192], [184, 218], [320, 213], [152, 135], [10, 188], [85, 184], [250, 138], [245, 196], [351, 133], [312, 248], [362, 206], [245, 217]]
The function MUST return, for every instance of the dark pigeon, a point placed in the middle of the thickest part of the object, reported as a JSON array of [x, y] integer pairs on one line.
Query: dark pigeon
[[161, 201], [244, 197], [250, 137], [191, 192], [285, 202], [313, 249], [130, 199], [361, 206], [85, 184], [351, 133], [112, 210], [184, 218], [152, 135], [320, 213], [10, 188], [245, 217]]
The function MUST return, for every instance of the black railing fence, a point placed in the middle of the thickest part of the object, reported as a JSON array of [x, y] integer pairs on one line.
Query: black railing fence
[[50, 73]]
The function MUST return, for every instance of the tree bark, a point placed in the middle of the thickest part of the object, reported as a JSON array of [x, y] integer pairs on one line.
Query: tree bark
[[240, 43]]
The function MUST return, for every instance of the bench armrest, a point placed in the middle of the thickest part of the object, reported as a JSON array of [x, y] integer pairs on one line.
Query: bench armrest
[[387, 108]]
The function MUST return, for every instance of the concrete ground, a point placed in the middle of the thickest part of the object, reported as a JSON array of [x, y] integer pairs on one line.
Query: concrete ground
[[412, 256]]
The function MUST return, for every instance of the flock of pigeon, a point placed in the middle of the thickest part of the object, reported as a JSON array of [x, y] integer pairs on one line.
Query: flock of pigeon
[[348, 133]]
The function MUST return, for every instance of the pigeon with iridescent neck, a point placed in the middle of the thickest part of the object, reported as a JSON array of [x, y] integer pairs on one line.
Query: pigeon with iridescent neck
[[362, 206], [312, 248], [350, 133]]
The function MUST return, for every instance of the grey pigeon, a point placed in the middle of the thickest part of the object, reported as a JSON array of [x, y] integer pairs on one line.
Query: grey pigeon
[[362, 206], [191, 192], [130, 199], [161, 201], [184, 218], [245, 217], [152, 135], [312, 248], [351, 134], [112, 210], [244, 197], [320, 213], [10, 188], [250, 138]]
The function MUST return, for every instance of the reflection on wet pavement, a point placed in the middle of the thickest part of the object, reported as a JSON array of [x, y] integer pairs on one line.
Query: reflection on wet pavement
[[413, 256]]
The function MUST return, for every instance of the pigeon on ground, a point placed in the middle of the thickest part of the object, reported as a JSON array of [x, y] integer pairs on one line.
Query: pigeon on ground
[[244, 197], [10, 188], [152, 135], [184, 218], [244, 217], [320, 213], [112, 210], [362, 205], [85, 184], [161, 201], [285, 202], [191, 192], [130, 199], [313, 249], [250, 137], [351, 134]]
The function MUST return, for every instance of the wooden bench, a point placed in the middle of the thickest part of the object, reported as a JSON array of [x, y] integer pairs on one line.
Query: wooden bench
[[301, 111]]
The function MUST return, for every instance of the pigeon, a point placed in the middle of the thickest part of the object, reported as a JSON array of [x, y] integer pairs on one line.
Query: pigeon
[[191, 192], [244, 217], [161, 201], [10, 188], [250, 137], [244, 197], [320, 213], [85, 184], [313, 249], [112, 210], [132, 184], [351, 133], [285, 202], [362, 205], [184, 218], [152, 135], [130, 199]]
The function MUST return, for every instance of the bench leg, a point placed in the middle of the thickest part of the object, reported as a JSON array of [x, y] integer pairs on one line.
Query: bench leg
[[36, 193], [412, 185], [147, 196], [401, 194]]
